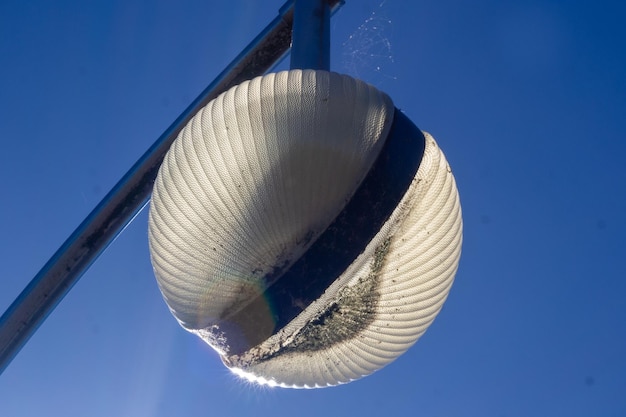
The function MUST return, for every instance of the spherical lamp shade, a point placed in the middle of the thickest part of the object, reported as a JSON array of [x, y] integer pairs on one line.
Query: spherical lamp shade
[[305, 229]]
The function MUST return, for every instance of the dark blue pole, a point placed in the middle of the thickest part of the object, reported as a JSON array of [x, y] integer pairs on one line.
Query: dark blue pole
[[129, 196], [311, 35]]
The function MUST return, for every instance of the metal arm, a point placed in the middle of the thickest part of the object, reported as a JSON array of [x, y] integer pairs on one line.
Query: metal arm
[[129, 196], [311, 35]]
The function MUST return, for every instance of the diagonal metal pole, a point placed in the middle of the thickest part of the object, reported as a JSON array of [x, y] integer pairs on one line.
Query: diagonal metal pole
[[130, 195]]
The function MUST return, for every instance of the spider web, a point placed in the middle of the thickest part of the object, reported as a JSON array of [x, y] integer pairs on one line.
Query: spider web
[[367, 53]]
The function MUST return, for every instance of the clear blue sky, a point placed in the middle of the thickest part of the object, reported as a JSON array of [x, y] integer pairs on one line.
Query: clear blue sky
[[527, 99]]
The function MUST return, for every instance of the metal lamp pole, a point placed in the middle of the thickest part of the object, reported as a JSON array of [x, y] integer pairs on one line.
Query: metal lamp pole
[[132, 192]]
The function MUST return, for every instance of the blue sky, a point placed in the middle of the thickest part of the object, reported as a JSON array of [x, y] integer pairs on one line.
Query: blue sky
[[528, 101]]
